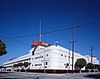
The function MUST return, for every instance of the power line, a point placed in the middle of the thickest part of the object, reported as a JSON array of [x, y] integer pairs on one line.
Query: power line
[[58, 30], [91, 54], [15, 38]]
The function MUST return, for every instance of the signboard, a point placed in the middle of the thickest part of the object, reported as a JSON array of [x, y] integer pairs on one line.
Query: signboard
[[36, 43]]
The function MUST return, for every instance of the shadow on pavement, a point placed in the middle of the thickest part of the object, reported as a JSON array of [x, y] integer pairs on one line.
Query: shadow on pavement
[[94, 76], [6, 72], [8, 78]]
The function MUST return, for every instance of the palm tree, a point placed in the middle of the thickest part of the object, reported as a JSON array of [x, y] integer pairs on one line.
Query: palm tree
[[2, 48]]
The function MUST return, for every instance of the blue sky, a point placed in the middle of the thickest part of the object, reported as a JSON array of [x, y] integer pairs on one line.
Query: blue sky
[[21, 17]]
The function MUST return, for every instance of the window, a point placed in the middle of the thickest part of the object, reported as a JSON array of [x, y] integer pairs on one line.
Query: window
[[38, 57], [38, 64], [46, 63], [66, 65], [32, 52], [47, 54], [45, 66], [61, 54]]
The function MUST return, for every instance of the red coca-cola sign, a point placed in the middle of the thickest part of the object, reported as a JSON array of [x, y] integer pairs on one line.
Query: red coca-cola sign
[[35, 43]]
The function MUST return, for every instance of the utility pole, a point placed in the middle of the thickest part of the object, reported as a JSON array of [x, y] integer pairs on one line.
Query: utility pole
[[69, 59], [73, 28], [44, 64], [40, 31], [91, 54], [72, 48]]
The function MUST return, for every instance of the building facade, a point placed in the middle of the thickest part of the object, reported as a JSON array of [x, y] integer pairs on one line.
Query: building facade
[[44, 56]]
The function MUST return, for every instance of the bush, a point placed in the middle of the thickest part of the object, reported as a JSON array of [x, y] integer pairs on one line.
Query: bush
[[89, 66], [2, 48], [80, 63]]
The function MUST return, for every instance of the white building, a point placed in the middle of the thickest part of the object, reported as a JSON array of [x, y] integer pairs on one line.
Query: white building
[[49, 57]]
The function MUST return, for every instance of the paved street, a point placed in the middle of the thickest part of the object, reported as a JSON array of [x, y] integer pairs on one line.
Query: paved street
[[27, 75]]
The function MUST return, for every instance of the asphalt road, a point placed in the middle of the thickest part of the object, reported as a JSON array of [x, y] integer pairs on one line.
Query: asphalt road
[[27, 75]]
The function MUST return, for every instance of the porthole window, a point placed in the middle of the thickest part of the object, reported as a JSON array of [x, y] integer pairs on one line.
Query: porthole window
[[61, 54], [47, 54]]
